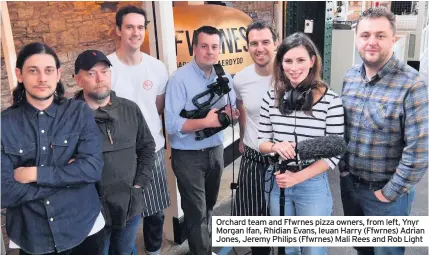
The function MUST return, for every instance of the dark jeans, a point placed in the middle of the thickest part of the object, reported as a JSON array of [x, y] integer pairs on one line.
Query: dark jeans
[[198, 176], [92, 245], [359, 200], [152, 231], [121, 241]]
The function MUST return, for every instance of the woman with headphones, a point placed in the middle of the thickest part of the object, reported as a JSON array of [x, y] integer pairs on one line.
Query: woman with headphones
[[299, 106]]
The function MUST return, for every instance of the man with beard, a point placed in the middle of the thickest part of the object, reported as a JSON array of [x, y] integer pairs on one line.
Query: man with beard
[[50, 161], [128, 152], [386, 108], [142, 79], [250, 85]]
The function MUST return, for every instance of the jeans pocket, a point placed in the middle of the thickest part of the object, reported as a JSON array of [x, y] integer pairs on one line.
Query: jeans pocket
[[372, 191], [269, 178]]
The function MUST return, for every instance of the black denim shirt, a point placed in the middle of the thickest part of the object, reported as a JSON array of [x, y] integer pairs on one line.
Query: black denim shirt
[[57, 212]]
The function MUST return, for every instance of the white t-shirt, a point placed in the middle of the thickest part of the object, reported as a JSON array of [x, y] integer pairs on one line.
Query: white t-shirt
[[250, 88], [142, 83]]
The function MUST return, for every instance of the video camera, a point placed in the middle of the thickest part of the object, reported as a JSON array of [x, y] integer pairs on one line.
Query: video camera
[[220, 88]]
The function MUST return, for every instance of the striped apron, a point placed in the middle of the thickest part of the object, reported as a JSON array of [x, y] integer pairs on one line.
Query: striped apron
[[250, 197], [156, 197]]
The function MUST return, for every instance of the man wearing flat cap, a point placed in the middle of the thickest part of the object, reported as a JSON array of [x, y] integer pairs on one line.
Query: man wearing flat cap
[[128, 151]]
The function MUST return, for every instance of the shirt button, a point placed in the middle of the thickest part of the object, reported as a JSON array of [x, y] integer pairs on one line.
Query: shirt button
[[21, 151], [65, 141], [41, 113], [43, 131], [51, 219], [42, 165], [43, 148], [47, 202]]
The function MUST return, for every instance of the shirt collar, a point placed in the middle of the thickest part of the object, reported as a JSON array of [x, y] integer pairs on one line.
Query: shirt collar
[[389, 67], [51, 110], [200, 72]]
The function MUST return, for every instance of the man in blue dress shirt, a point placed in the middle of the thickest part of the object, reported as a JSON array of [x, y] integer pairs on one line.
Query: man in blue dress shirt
[[197, 164]]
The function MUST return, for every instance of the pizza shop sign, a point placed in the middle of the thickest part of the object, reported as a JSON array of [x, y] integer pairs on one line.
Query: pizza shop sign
[[232, 24]]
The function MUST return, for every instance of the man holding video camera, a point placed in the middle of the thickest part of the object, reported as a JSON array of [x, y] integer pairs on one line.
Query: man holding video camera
[[197, 149]]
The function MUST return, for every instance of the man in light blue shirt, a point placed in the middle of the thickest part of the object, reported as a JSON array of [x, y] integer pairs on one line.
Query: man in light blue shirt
[[197, 164]]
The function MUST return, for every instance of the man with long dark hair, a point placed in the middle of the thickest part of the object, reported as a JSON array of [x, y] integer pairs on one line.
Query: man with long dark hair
[[51, 158]]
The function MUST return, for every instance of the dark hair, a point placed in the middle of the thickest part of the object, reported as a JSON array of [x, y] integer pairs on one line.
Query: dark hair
[[378, 12], [259, 25], [206, 30], [18, 94], [312, 81], [127, 10]]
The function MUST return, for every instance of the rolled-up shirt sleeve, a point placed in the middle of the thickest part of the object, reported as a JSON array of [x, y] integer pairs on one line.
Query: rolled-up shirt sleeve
[[175, 100]]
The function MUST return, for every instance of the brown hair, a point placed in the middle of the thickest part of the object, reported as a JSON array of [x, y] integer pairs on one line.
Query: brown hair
[[259, 25], [312, 81], [378, 12]]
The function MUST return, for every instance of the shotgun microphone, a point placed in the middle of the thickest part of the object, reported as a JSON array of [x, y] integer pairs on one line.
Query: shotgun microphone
[[321, 147], [316, 148]]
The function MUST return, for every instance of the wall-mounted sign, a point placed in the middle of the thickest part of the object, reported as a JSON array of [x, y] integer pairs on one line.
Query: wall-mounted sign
[[232, 23]]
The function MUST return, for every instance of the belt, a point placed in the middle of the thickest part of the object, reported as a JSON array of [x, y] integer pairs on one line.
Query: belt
[[370, 183]]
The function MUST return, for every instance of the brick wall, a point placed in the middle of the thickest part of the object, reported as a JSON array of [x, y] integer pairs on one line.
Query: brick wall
[[68, 27], [257, 10], [72, 27]]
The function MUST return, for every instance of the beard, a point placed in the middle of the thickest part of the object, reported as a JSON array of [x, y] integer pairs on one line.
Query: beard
[[39, 98], [378, 63], [98, 96]]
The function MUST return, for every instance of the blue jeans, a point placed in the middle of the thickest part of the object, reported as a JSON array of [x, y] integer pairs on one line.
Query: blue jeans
[[121, 241], [309, 198], [359, 200]]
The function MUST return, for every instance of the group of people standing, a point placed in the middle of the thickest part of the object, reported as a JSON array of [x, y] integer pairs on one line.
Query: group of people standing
[[382, 114], [78, 174]]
